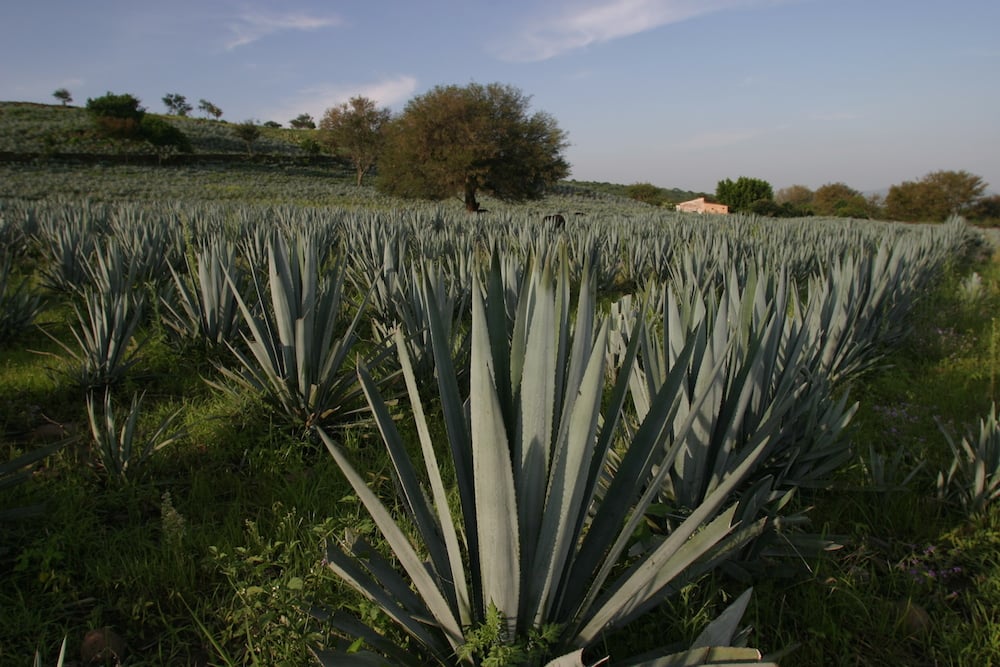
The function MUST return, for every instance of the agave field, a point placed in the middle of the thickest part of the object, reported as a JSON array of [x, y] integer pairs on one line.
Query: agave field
[[257, 416]]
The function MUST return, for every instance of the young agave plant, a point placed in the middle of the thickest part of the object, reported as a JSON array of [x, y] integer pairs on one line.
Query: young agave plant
[[121, 452], [18, 305], [764, 395], [292, 354], [973, 479], [104, 332], [530, 539], [204, 305]]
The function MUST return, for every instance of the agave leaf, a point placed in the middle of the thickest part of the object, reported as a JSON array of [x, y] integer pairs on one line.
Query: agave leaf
[[496, 506], [426, 587], [446, 522]]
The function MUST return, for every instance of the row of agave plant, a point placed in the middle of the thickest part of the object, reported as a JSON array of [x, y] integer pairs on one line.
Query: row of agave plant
[[704, 396]]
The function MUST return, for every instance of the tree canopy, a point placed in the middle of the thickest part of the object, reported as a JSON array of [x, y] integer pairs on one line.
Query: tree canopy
[[302, 122], [743, 193], [471, 139], [647, 193], [356, 128], [63, 95], [842, 201], [934, 197], [177, 104], [209, 109]]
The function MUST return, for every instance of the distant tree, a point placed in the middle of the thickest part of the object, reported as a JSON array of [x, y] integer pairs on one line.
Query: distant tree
[[841, 201], [470, 139], [117, 116], [357, 129], [272, 124], [742, 193], [647, 193], [796, 195], [177, 104], [209, 109], [303, 122], [935, 197], [248, 132], [63, 96], [986, 211]]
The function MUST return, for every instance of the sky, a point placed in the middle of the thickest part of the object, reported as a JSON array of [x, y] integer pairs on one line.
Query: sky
[[678, 93]]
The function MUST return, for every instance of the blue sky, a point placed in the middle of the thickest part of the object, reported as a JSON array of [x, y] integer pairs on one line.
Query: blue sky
[[679, 93]]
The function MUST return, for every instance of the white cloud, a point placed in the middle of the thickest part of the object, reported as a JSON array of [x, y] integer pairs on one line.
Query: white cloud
[[578, 27], [315, 100], [251, 26]]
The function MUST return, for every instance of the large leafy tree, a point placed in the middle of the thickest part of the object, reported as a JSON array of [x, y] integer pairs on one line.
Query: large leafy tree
[[467, 140], [356, 128], [743, 193], [934, 197], [842, 201]]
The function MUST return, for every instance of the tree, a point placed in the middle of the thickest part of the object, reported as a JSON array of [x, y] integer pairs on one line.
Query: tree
[[357, 128], [63, 96], [934, 197], [472, 139], [272, 124], [987, 211], [209, 109], [796, 195], [841, 201], [647, 193], [743, 193], [248, 132], [116, 115], [303, 122], [177, 104]]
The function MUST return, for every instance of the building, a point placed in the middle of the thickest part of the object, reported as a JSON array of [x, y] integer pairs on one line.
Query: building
[[699, 205]]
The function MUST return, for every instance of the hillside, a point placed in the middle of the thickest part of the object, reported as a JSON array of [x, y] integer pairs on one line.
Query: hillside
[[32, 132]]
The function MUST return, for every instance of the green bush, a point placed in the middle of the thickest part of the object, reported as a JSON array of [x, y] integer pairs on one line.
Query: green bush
[[125, 107], [161, 133]]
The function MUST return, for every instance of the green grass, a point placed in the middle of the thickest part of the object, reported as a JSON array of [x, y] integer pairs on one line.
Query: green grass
[[916, 580]]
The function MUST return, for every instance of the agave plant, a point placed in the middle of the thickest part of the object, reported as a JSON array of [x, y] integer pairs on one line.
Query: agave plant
[[973, 479], [765, 395], [18, 305], [424, 289], [203, 305], [106, 323], [121, 451], [531, 538], [292, 354]]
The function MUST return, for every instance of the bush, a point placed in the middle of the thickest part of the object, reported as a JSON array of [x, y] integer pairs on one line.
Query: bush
[[125, 107], [161, 133]]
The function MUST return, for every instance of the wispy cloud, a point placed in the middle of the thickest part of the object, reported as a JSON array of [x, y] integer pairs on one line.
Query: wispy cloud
[[316, 99], [578, 27], [251, 25]]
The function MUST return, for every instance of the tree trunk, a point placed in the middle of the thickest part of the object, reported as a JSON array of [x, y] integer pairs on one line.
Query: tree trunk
[[471, 205]]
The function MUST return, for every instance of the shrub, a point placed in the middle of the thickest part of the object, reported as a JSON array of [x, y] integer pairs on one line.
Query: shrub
[[161, 134]]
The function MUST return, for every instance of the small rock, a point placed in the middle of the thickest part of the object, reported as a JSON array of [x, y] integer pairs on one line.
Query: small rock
[[102, 646]]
